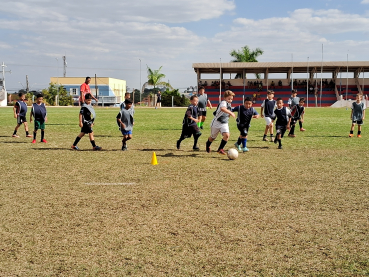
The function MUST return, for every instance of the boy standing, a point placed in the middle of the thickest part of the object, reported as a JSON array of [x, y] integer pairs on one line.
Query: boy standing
[[38, 111], [220, 122], [267, 112], [245, 113], [84, 90], [86, 121], [357, 115], [20, 113], [126, 122], [297, 114], [283, 116], [189, 125], [203, 102]]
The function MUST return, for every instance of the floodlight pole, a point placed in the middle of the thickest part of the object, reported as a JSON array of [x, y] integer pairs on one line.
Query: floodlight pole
[[321, 80], [307, 84], [220, 81], [140, 82]]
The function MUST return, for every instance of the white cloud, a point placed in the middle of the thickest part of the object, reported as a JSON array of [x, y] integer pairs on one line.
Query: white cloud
[[365, 2]]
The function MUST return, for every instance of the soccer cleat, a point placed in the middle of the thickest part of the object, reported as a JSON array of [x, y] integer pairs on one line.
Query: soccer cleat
[[44, 141], [245, 149], [275, 141], [201, 127], [207, 148], [124, 148], [75, 147], [178, 145], [302, 129], [359, 136], [196, 148], [15, 136], [265, 139], [221, 152], [271, 139], [280, 147], [351, 135], [34, 141], [291, 135], [29, 136], [238, 147], [97, 148]]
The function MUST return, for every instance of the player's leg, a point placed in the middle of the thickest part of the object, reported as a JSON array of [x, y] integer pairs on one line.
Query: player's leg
[[292, 129], [78, 138], [35, 131], [300, 124], [15, 131], [213, 135], [244, 144], [352, 130], [223, 143], [124, 142], [196, 136], [92, 140], [200, 120], [359, 130], [203, 118]]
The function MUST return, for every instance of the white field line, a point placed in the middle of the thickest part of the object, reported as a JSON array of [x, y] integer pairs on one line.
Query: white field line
[[110, 184]]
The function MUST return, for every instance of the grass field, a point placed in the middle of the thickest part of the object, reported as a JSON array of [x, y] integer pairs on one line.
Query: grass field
[[300, 211]]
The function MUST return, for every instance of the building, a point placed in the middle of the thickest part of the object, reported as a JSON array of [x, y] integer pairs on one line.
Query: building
[[109, 91]]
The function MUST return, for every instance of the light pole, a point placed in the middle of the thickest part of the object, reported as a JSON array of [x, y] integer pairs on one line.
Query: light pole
[[57, 81], [140, 82]]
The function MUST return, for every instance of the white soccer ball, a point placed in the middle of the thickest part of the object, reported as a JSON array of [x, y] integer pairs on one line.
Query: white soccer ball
[[232, 154]]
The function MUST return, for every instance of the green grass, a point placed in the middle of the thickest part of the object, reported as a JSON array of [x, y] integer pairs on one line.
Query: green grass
[[300, 211]]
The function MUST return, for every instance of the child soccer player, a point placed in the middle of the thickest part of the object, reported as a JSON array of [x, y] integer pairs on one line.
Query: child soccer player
[[20, 113], [357, 115], [220, 122], [203, 102], [283, 116], [295, 101], [245, 113], [189, 126], [267, 112], [86, 121], [297, 114], [38, 111], [125, 121]]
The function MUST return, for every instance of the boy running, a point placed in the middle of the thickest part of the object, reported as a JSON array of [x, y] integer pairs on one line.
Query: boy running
[[295, 101], [357, 115], [86, 121], [297, 114], [283, 116], [125, 122], [245, 113], [203, 102], [267, 112], [20, 113], [220, 122], [189, 126], [38, 111]]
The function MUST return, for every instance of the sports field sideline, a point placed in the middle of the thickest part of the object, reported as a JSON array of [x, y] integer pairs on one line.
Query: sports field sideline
[[298, 211]]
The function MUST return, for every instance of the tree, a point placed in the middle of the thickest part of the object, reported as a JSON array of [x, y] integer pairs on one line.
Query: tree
[[178, 100], [155, 77], [245, 55], [52, 91]]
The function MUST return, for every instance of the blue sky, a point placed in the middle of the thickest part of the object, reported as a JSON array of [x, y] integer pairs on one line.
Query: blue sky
[[108, 38]]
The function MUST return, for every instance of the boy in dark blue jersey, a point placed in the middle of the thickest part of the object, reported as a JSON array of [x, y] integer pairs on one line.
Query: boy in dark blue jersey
[[245, 113], [189, 125], [267, 112], [125, 122], [20, 113], [283, 116], [38, 111], [86, 121]]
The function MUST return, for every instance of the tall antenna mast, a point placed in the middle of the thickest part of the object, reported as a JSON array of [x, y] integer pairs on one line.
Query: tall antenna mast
[[3, 93]]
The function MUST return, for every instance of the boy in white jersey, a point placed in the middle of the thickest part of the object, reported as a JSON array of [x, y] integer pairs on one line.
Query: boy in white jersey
[[220, 122]]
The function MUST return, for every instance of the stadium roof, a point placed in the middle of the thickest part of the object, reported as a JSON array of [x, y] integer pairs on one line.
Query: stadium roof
[[280, 67]]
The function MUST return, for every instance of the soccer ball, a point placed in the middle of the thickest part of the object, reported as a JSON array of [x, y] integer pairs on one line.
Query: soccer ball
[[232, 154]]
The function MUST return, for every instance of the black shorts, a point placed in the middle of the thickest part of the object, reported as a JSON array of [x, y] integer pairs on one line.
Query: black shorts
[[188, 131], [358, 122], [202, 113], [87, 129], [281, 130], [244, 129], [21, 119]]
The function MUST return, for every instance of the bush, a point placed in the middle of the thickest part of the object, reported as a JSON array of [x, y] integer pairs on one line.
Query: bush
[[178, 101], [52, 91]]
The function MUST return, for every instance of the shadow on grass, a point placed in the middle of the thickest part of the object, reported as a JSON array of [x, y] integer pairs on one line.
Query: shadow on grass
[[47, 124], [172, 155], [326, 136], [15, 142]]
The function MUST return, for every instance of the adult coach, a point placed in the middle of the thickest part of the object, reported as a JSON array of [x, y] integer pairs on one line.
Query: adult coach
[[201, 106], [158, 100], [85, 89]]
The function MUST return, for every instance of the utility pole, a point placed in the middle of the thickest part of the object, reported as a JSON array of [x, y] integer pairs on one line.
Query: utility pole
[[27, 86], [3, 93], [65, 66]]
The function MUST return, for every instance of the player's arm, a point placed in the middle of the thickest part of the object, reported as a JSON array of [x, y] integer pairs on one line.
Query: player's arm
[[80, 120], [120, 121], [15, 109], [262, 110], [363, 114], [209, 103], [225, 110], [289, 120], [255, 115], [351, 113], [189, 115]]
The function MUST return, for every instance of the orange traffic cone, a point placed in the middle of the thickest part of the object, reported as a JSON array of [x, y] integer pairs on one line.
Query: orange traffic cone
[[154, 161]]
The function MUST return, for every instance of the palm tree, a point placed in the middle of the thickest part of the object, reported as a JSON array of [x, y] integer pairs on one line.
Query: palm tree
[[245, 55], [155, 77]]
